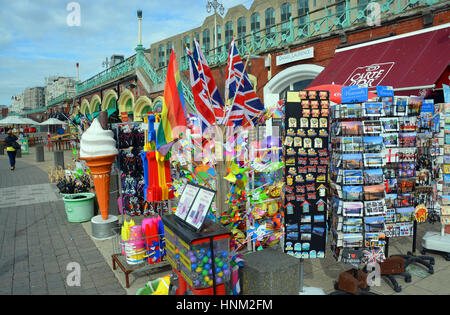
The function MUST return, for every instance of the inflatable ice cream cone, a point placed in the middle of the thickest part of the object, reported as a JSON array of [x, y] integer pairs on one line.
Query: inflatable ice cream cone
[[98, 149], [100, 167]]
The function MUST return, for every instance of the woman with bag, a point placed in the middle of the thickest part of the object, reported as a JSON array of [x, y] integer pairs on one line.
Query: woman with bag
[[11, 147]]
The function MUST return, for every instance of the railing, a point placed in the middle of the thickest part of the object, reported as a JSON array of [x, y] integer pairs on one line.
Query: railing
[[60, 99], [108, 74], [34, 111], [318, 22]]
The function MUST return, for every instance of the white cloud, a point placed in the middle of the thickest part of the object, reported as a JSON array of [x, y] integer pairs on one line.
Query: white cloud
[[35, 40]]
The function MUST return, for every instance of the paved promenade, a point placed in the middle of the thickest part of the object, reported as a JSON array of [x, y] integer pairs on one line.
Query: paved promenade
[[37, 242]]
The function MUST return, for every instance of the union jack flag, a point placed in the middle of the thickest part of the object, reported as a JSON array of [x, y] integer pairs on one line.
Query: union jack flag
[[246, 106], [216, 99], [200, 92], [374, 255]]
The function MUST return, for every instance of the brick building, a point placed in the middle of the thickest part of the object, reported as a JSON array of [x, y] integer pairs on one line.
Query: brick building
[[289, 54]]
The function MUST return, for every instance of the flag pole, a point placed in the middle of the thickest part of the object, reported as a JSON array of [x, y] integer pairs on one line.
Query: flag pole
[[227, 117]]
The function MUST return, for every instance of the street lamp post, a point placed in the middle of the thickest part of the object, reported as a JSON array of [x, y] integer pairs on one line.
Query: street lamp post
[[218, 7]]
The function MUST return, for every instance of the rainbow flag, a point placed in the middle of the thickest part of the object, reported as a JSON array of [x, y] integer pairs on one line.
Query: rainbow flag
[[173, 116]]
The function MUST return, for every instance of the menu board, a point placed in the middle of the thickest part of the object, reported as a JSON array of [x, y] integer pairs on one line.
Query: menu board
[[194, 204], [306, 172]]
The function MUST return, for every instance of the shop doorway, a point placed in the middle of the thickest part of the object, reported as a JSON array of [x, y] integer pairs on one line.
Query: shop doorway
[[293, 78]]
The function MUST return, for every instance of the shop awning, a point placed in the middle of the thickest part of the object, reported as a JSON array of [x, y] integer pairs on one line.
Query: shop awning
[[416, 59]]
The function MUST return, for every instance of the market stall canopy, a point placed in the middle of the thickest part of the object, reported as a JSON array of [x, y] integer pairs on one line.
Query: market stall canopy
[[409, 61], [16, 120], [52, 121], [29, 121]]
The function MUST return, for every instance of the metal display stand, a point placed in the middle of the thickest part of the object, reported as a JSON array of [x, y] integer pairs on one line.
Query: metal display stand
[[119, 256], [353, 281]]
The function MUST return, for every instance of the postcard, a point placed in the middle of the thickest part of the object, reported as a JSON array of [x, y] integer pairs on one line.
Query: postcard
[[352, 192], [350, 111], [407, 124], [405, 200], [352, 161], [407, 169], [390, 140], [352, 225], [376, 207], [390, 200], [414, 105], [390, 124], [353, 240], [353, 177], [373, 160], [391, 185], [373, 143], [389, 215], [407, 154], [375, 239], [351, 144], [388, 105], [353, 209], [372, 126], [351, 128], [373, 176], [407, 139], [406, 228], [374, 192], [373, 109], [405, 214], [374, 224], [401, 105]]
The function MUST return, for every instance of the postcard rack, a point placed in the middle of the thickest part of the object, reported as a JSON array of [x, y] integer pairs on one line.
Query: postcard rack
[[357, 185], [358, 192]]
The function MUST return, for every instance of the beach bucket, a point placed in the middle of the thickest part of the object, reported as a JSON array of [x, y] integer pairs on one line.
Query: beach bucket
[[79, 207], [135, 252]]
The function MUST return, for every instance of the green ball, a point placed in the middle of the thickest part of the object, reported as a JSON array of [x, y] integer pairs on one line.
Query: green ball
[[217, 260], [204, 273], [220, 264], [205, 259]]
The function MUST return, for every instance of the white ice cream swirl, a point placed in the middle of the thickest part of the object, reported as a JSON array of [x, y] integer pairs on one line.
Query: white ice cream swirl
[[97, 142]]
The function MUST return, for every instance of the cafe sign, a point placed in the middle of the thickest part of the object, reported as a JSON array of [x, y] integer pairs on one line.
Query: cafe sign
[[370, 76], [295, 56]]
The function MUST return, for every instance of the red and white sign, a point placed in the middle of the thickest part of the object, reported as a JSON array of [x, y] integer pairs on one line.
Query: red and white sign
[[369, 76]]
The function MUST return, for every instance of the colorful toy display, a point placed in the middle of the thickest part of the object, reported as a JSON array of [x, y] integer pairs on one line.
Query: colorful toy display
[[202, 260]]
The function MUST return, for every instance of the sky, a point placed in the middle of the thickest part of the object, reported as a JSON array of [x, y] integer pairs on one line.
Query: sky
[[38, 38]]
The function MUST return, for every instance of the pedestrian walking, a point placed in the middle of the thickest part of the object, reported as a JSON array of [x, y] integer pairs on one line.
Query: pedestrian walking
[[11, 147]]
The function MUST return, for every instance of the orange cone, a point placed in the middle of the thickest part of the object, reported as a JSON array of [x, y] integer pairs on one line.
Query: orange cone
[[100, 167]]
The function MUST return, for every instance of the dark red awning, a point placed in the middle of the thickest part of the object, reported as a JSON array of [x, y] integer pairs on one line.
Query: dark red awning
[[408, 60]]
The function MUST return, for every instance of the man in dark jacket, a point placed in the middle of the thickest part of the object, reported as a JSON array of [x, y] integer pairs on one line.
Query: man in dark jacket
[[11, 148]]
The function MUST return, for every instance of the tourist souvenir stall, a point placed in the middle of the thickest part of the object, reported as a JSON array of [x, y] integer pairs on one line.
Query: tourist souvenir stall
[[439, 242], [384, 180]]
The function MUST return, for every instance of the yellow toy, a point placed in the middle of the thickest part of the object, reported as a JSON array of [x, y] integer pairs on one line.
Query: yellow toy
[[163, 286]]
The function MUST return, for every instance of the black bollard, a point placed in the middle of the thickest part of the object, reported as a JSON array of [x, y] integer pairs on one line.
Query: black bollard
[[59, 158], [40, 153]]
